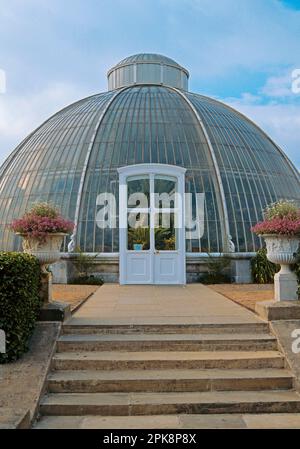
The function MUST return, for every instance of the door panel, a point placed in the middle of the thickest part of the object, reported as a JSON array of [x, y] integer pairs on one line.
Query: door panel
[[139, 268], [166, 268]]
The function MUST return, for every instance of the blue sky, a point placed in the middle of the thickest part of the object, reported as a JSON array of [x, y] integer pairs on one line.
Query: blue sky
[[239, 51]]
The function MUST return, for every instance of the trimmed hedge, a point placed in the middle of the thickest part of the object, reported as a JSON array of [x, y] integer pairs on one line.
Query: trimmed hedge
[[19, 301]]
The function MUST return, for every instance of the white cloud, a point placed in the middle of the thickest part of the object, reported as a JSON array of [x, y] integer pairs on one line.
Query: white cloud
[[19, 115], [279, 86], [280, 121]]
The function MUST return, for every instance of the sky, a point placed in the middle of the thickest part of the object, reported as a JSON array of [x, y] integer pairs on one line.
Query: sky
[[242, 52]]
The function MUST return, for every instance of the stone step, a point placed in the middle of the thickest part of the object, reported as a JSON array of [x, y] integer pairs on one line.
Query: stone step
[[203, 328], [169, 380], [111, 360], [184, 421], [125, 404], [171, 342]]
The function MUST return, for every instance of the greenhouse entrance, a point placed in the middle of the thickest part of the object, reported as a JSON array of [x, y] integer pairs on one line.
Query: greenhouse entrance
[[152, 240]]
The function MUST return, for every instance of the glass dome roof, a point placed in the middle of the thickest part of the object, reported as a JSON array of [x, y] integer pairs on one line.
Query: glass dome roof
[[75, 154], [148, 57]]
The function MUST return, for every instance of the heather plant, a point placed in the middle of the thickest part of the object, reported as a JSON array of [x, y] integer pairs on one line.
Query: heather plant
[[40, 220], [282, 217]]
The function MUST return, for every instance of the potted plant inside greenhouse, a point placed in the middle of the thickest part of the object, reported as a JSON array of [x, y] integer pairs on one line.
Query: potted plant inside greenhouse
[[138, 238], [43, 230], [281, 232]]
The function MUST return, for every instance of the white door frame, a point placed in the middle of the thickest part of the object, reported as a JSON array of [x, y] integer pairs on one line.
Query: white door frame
[[148, 169]]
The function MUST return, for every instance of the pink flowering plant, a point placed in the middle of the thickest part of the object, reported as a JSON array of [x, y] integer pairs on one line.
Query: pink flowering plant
[[40, 220], [282, 217]]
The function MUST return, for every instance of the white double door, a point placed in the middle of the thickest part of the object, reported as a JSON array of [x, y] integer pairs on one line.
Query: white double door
[[152, 244]]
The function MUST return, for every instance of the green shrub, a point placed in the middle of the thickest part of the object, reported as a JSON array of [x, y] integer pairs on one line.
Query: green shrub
[[19, 301], [297, 270], [87, 280], [215, 278], [262, 269], [215, 273], [84, 263]]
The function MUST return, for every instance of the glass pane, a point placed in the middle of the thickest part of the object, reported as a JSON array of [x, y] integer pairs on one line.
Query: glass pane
[[138, 193], [165, 233], [165, 190], [148, 73], [138, 232]]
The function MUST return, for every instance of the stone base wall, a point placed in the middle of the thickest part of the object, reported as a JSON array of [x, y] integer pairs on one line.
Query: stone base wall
[[107, 268]]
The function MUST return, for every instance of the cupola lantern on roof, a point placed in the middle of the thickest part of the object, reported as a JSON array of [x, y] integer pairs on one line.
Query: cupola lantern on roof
[[148, 68]]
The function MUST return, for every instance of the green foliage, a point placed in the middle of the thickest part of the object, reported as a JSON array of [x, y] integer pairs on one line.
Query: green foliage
[[297, 269], [262, 269], [164, 238], [140, 236], [84, 262], [216, 268], [87, 280], [19, 301], [282, 209]]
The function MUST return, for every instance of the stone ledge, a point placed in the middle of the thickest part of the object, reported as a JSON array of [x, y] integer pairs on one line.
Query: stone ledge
[[10, 419], [278, 310], [55, 311]]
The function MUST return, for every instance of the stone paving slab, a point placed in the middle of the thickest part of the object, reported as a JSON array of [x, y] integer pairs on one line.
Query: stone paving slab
[[194, 303], [14, 419], [232, 421]]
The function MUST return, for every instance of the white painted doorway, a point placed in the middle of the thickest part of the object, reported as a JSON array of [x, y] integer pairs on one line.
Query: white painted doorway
[[151, 223]]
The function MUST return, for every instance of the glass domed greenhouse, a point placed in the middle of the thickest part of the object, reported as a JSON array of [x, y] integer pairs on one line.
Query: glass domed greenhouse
[[149, 134]]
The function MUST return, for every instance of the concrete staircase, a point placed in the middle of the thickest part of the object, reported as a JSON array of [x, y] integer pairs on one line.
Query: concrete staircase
[[122, 376]]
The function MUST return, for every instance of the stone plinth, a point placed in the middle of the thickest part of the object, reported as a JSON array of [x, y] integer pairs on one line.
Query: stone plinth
[[46, 287], [285, 286], [278, 310], [55, 311]]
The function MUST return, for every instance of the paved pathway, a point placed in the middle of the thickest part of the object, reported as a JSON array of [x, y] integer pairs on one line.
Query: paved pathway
[[194, 303]]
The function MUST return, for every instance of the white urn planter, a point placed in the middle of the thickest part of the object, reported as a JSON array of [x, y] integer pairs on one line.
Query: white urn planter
[[47, 251], [281, 250]]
